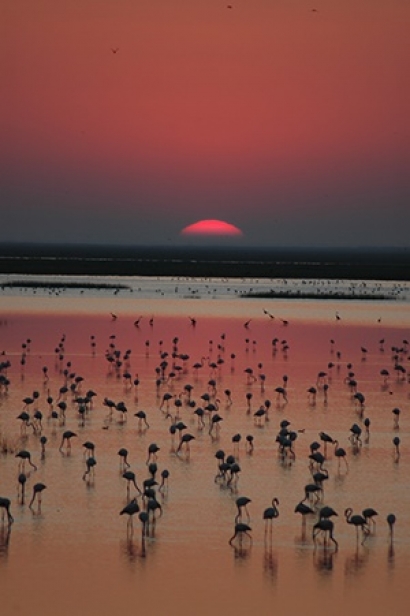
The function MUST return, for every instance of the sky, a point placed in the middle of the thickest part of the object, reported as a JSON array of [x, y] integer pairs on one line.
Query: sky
[[124, 121]]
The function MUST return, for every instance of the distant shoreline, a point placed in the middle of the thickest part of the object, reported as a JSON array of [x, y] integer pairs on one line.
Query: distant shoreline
[[289, 294], [319, 296], [200, 262]]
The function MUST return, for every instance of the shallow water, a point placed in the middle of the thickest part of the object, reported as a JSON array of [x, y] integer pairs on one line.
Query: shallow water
[[76, 555]]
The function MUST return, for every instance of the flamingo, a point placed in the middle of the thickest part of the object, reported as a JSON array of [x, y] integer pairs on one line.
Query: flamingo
[[185, 440], [89, 448], [90, 464], [249, 443], [37, 490], [391, 521], [355, 437], [130, 510], [325, 526], [396, 443], [259, 414], [311, 489], [317, 458], [215, 422], [240, 530], [270, 514], [123, 453], [24, 456], [67, 436], [236, 439], [22, 478], [142, 418], [325, 438], [327, 512], [164, 480], [242, 502], [304, 510], [43, 441], [152, 506], [340, 454], [359, 521], [396, 414], [312, 391], [5, 506], [130, 477], [144, 519], [369, 515], [152, 452], [281, 393], [234, 470]]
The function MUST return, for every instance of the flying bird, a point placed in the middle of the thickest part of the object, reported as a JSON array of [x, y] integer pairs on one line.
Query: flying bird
[[268, 314]]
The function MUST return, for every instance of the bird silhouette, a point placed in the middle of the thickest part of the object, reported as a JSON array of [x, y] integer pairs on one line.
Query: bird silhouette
[[67, 436], [326, 527], [5, 506], [130, 478], [90, 464], [270, 514], [22, 479], [242, 503], [391, 521], [130, 510], [25, 456], [340, 454], [359, 522], [241, 529], [369, 514], [304, 510], [38, 488]]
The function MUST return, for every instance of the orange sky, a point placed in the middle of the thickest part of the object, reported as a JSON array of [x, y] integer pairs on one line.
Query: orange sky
[[266, 112]]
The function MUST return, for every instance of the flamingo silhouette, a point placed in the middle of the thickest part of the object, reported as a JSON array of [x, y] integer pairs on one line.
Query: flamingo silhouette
[[326, 527], [241, 529], [270, 514], [90, 464], [22, 479], [5, 506], [242, 503], [37, 491], [185, 440], [130, 510], [391, 521], [25, 456], [130, 477], [123, 453], [369, 515], [359, 522], [340, 454], [67, 436]]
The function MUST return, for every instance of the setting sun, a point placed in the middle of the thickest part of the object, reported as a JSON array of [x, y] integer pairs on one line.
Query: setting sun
[[212, 227]]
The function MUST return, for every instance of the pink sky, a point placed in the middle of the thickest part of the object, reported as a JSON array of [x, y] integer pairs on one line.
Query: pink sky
[[289, 123]]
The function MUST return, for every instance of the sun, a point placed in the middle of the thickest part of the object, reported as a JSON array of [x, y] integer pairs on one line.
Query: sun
[[211, 228]]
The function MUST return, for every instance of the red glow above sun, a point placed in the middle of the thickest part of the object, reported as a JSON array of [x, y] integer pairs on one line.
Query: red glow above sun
[[212, 228]]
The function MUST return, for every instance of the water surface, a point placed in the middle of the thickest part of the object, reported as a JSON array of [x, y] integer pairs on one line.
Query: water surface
[[76, 554]]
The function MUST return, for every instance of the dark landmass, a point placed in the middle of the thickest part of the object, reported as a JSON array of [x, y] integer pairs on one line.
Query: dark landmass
[[26, 284], [302, 295], [239, 262]]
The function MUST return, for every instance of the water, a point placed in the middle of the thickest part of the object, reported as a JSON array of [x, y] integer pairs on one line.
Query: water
[[76, 553]]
